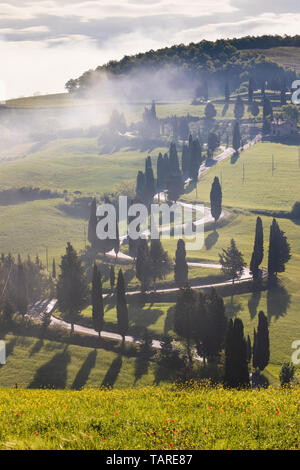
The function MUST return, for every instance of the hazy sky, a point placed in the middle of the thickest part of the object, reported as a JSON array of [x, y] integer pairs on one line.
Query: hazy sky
[[44, 43]]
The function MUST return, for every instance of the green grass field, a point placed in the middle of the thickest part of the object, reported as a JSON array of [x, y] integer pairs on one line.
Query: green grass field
[[40, 363], [161, 418]]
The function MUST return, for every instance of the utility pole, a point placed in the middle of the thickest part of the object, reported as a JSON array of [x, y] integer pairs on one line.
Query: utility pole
[[273, 165]]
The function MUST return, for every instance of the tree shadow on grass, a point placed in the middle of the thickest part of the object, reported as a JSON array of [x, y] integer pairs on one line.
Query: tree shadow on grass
[[169, 320], [234, 158], [225, 109], [10, 346], [233, 308], [140, 318], [253, 303], [141, 366], [211, 240], [53, 374], [84, 371], [278, 302], [112, 373], [36, 347]]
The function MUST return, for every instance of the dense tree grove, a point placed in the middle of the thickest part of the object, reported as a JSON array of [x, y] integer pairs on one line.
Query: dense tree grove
[[22, 282], [236, 356], [200, 63]]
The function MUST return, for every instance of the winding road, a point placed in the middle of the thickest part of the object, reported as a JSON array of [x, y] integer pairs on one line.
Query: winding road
[[46, 307]]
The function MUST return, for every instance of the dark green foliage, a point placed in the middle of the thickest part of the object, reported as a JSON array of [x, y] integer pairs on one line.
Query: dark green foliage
[[232, 261], [213, 142], [122, 310], [211, 325], [184, 317], [287, 373], [254, 109], [266, 127], [267, 109], [97, 301], [160, 264], [239, 108], [160, 183], [206, 62], [216, 199], [143, 264], [249, 349], [181, 268], [21, 289], [236, 364], [72, 290], [261, 346], [258, 250], [279, 250], [149, 181], [250, 90], [185, 161], [112, 278], [210, 111], [195, 158]]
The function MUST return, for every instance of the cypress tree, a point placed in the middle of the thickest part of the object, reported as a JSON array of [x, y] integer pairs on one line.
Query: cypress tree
[[185, 161], [262, 343], [174, 162], [267, 109], [258, 250], [215, 328], [122, 310], [150, 183], [181, 266], [236, 365], [216, 199], [239, 108], [160, 173], [97, 301], [112, 277], [279, 250], [254, 109], [159, 261], [72, 289], [184, 317], [143, 264], [140, 186]]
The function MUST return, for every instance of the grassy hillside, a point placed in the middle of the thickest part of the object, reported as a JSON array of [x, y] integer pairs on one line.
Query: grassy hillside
[[150, 418], [41, 363]]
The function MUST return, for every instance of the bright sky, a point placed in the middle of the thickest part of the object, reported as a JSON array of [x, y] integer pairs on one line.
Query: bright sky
[[43, 43]]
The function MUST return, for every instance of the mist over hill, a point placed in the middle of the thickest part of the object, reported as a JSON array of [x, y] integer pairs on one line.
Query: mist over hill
[[174, 72]]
